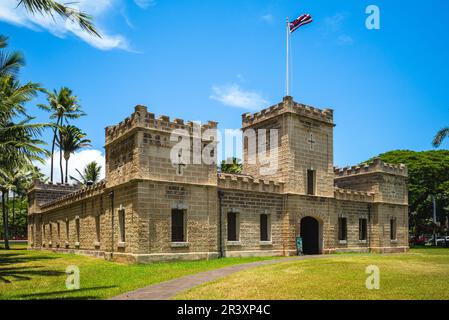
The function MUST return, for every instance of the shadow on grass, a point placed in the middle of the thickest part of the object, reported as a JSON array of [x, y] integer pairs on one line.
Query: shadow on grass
[[13, 258], [8, 275], [54, 295]]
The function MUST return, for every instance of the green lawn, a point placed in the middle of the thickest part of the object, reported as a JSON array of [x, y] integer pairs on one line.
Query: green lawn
[[420, 274], [41, 275]]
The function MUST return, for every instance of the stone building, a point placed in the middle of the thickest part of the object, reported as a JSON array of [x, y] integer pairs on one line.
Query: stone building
[[150, 209]]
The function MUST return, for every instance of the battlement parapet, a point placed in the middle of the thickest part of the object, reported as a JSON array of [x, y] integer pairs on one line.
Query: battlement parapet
[[62, 187], [78, 195], [288, 106], [248, 183], [374, 167], [144, 119], [352, 195]]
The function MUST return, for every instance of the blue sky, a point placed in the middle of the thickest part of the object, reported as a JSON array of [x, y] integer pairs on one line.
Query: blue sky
[[215, 60]]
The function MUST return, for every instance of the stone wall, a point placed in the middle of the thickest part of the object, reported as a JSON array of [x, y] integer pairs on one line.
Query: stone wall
[[249, 206], [156, 200], [387, 182]]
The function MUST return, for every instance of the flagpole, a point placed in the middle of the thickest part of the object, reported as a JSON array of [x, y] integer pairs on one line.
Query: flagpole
[[287, 71]]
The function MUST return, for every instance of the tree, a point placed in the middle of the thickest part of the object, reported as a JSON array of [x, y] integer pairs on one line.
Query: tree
[[10, 63], [16, 182], [233, 165], [50, 7], [71, 139], [18, 143], [91, 174], [441, 135], [64, 106]]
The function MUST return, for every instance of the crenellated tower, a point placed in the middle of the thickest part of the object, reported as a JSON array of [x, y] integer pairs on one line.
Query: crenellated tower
[[305, 146], [140, 147]]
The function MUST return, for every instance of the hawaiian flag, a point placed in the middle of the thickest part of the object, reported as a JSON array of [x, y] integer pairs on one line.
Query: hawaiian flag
[[301, 21]]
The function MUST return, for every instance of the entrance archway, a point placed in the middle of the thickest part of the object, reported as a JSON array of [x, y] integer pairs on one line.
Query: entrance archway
[[310, 234]]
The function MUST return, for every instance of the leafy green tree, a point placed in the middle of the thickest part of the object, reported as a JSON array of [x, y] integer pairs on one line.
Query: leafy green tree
[[90, 174], [428, 176], [71, 139], [51, 7], [63, 106], [233, 165]]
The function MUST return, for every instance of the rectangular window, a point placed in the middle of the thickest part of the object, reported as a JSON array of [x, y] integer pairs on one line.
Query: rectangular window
[[233, 226], [50, 226], [58, 230], [311, 182], [78, 231], [363, 229], [97, 228], [393, 229], [178, 226], [265, 227], [67, 230], [121, 221], [342, 229], [32, 234]]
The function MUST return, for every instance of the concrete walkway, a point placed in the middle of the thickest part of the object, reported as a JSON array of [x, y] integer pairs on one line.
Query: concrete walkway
[[169, 289]]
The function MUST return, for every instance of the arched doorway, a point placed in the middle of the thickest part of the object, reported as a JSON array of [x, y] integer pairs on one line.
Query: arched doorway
[[310, 234]]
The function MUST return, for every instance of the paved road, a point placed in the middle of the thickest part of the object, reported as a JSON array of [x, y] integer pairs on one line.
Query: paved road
[[169, 289]]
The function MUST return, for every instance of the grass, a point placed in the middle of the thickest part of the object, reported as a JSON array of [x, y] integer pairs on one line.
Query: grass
[[41, 275], [420, 274]]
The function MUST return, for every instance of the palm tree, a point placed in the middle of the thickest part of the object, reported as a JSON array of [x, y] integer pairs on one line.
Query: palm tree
[[91, 174], [440, 137], [18, 143], [235, 166], [17, 140], [50, 7], [18, 180], [64, 106], [10, 63], [71, 139]]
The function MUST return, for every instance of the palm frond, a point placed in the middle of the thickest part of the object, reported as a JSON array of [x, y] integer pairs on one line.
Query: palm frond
[[10, 63], [3, 41], [441, 135], [50, 7]]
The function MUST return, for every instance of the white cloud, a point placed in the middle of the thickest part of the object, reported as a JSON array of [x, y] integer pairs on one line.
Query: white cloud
[[335, 22], [10, 13], [143, 4], [234, 96], [267, 18], [345, 39], [333, 28], [77, 161]]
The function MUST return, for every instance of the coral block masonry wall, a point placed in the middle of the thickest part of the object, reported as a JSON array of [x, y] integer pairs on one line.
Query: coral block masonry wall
[[149, 209]]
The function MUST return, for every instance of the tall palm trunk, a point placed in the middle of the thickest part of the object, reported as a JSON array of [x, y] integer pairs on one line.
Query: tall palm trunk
[[55, 132], [13, 223], [66, 170], [5, 220], [60, 160]]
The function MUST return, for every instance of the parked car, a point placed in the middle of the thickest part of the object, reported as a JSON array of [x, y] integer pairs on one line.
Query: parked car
[[418, 241], [442, 241]]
